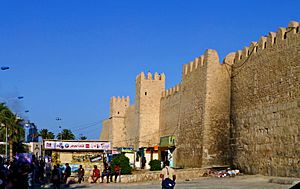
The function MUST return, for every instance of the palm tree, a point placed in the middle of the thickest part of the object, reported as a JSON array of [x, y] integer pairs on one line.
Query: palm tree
[[50, 135], [45, 134], [66, 134], [14, 129], [82, 137]]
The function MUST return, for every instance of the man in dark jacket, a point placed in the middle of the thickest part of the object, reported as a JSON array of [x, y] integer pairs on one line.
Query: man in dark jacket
[[55, 177], [80, 174], [67, 173]]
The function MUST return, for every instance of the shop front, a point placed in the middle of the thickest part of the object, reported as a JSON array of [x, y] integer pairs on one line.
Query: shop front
[[85, 153], [166, 148]]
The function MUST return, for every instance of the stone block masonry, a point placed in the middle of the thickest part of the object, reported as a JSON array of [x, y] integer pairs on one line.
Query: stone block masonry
[[244, 112], [265, 104]]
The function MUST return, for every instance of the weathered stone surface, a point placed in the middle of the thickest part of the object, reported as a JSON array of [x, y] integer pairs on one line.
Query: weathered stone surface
[[181, 174], [245, 111], [264, 108]]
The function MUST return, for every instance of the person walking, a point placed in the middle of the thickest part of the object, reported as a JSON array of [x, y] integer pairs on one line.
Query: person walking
[[67, 173], [168, 176], [55, 177], [144, 161], [80, 174]]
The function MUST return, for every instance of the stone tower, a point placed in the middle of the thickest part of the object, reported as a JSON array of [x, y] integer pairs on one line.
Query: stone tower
[[148, 94], [118, 107]]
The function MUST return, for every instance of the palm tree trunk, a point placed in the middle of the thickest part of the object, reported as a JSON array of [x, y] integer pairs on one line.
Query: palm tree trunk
[[10, 149]]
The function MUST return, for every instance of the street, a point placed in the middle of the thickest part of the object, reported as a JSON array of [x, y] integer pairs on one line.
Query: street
[[240, 182]]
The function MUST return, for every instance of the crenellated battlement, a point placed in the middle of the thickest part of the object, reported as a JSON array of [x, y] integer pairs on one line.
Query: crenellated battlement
[[171, 91], [193, 65], [265, 42], [119, 99], [119, 105], [149, 76]]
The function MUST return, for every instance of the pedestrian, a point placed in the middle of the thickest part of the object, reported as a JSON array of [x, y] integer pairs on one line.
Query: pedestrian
[[48, 171], [143, 162], [60, 171], [80, 174], [96, 174], [67, 173], [168, 176], [41, 168], [55, 177]]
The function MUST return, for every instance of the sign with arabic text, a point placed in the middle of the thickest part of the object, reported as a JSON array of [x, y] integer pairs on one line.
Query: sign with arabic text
[[76, 145]]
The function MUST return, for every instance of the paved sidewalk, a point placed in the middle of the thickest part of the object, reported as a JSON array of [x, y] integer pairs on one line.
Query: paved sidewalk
[[239, 182]]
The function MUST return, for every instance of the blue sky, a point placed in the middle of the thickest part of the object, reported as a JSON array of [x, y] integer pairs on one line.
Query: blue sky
[[67, 58]]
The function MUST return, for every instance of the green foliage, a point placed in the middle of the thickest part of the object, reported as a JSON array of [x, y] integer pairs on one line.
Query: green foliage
[[15, 131], [2, 149], [66, 134], [45, 134], [123, 162], [19, 147], [155, 165], [82, 137]]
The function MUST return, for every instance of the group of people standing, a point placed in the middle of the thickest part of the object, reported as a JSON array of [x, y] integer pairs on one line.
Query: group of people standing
[[21, 173], [57, 177]]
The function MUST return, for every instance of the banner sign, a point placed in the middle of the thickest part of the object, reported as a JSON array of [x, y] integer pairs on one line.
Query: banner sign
[[128, 150], [96, 158], [167, 141], [76, 145], [24, 157]]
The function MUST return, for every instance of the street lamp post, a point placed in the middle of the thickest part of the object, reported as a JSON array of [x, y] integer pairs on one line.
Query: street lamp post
[[61, 137], [60, 130]]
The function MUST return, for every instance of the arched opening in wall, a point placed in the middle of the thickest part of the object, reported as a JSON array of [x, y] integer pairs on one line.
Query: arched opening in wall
[[265, 45], [274, 40], [145, 93], [118, 112]]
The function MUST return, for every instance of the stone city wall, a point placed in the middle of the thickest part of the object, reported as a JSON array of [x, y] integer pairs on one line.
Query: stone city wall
[[265, 105], [148, 94], [216, 112], [244, 111], [131, 126], [203, 132], [189, 146], [169, 111], [105, 132]]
